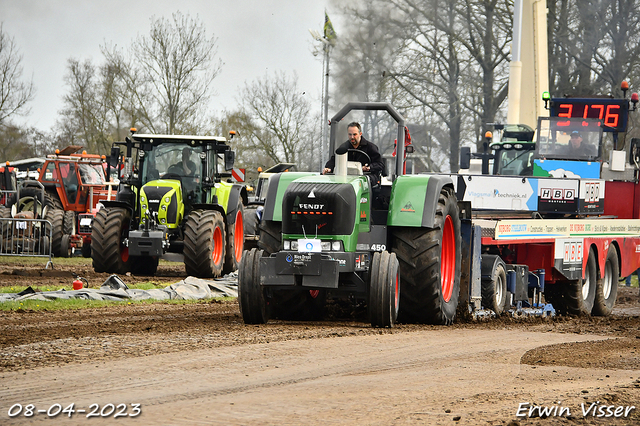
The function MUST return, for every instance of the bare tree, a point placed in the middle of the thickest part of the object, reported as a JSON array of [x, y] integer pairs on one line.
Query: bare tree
[[176, 64], [276, 121], [14, 93]]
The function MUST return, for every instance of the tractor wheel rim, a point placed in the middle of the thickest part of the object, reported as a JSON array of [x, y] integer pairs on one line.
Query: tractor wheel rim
[[217, 245], [448, 259], [499, 292], [586, 284], [238, 236], [397, 293], [607, 281]]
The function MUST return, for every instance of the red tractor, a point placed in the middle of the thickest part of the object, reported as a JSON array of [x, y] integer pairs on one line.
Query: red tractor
[[74, 185]]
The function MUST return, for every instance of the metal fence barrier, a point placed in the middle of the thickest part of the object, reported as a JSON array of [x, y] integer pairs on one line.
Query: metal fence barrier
[[26, 237]]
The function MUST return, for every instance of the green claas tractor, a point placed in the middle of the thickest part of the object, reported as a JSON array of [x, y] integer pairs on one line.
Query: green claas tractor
[[171, 198], [392, 246]]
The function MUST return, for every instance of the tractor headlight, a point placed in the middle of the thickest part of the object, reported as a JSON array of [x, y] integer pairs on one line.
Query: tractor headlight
[[325, 245], [162, 220], [163, 207], [294, 245], [167, 199], [336, 246], [142, 199], [287, 245], [144, 207]]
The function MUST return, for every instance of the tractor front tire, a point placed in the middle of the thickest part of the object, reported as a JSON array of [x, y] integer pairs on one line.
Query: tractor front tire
[[204, 243], [607, 287], [235, 241], [384, 290], [270, 236], [430, 262], [69, 222], [251, 295], [108, 230], [56, 218]]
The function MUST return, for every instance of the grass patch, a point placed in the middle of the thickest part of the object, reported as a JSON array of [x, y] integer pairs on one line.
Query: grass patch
[[57, 261], [73, 304]]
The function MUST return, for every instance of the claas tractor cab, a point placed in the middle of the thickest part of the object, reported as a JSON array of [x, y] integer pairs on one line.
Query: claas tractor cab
[[394, 249], [172, 198]]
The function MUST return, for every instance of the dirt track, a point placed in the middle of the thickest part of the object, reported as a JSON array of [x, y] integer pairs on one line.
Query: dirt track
[[200, 364]]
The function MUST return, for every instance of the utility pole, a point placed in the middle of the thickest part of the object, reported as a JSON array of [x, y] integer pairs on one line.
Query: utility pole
[[328, 40]]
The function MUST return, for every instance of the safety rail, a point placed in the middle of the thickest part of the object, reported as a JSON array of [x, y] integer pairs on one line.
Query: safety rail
[[26, 237]]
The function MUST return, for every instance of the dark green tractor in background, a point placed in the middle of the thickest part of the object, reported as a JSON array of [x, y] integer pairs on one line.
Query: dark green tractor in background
[[171, 198], [394, 247]]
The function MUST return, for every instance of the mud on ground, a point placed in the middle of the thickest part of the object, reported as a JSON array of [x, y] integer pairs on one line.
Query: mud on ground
[[48, 338]]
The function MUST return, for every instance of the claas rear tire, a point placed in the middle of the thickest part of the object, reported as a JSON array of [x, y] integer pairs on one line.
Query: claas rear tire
[[109, 229], [235, 241], [270, 237], [607, 287], [430, 262], [384, 290], [251, 295], [204, 243], [144, 265]]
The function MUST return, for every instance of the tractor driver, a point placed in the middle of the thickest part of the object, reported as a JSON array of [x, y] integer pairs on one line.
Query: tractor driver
[[578, 148], [357, 142], [187, 166]]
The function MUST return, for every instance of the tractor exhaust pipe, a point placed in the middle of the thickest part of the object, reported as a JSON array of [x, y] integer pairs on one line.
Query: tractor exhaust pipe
[[341, 162]]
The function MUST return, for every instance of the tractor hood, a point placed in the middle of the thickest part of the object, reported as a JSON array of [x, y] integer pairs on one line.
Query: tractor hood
[[163, 196]]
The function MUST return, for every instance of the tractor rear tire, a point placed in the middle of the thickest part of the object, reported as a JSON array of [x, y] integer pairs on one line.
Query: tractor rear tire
[[108, 230], [144, 265], [204, 243], [52, 199], [384, 290], [494, 287], [297, 304], [235, 241], [270, 237], [607, 287], [251, 295], [56, 218], [250, 220], [29, 196], [69, 222], [430, 261]]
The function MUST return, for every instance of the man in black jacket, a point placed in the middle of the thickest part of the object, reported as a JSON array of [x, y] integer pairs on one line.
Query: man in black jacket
[[357, 142]]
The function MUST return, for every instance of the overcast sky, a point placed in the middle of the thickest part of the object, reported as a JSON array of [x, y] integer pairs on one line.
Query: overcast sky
[[254, 37]]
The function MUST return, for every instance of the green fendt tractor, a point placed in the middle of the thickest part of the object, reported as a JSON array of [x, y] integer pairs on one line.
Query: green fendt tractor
[[394, 246], [171, 198]]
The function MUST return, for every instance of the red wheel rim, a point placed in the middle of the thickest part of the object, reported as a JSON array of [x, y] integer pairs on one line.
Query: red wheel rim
[[397, 295], [448, 259], [217, 245], [124, 254], [238, 236]]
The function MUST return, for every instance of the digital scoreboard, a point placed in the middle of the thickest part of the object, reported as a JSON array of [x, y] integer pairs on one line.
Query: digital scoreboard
[[613, 113]]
